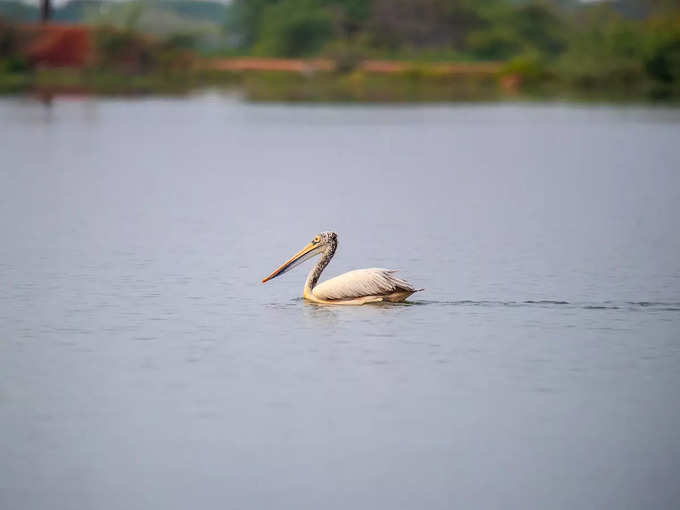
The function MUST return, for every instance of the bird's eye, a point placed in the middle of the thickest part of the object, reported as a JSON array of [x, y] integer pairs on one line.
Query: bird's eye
[[316, 239]]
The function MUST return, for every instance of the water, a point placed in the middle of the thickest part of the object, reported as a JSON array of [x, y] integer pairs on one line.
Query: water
[[143, 365]]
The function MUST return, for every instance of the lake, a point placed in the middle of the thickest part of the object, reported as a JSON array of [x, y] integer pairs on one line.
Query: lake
[[144, 366]]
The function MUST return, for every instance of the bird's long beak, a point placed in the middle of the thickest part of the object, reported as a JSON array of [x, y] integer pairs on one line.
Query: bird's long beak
[[307, 252]]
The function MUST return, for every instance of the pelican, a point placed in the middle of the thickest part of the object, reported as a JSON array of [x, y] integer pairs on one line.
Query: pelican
[[352, 288]]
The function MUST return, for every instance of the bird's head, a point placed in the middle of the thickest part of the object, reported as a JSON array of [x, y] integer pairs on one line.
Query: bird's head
[[323, 241]]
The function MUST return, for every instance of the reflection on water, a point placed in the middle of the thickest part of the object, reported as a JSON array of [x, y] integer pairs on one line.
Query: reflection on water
[[143, 365], [325, 315]]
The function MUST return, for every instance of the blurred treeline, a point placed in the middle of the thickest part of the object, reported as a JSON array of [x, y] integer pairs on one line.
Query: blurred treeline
[[470, 29], [609, 48], [595, 43], [202, 21]]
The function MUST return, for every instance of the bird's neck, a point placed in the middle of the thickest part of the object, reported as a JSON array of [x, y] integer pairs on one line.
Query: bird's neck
[[315, 273]]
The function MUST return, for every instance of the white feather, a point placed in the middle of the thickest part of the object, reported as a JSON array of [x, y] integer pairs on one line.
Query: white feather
[[373, 281]]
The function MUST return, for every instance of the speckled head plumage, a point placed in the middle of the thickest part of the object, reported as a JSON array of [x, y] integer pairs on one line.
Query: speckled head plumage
[[324, 243], [326, 237]]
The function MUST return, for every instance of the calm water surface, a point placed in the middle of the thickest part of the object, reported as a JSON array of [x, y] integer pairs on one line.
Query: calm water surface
[[143, 365]]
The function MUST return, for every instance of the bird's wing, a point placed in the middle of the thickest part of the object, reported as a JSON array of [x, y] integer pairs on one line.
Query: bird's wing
[[362, 282]]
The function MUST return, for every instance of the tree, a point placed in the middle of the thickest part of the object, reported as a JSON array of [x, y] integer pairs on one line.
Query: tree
[[45, 10], [292, 28]]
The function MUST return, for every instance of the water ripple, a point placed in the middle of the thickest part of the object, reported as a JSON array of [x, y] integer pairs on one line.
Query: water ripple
[[655, 306]]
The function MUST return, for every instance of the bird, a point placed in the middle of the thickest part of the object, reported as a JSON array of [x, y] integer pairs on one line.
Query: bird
[[356, 287]]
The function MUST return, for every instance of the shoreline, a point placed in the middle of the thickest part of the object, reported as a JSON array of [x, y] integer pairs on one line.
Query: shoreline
[[288, 80]]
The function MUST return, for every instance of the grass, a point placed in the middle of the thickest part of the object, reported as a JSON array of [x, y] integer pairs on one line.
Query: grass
[[417, 84]]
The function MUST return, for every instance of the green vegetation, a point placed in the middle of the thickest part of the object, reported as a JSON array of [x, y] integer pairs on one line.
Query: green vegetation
[[408, 86], [294, 28], [625, 49]]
